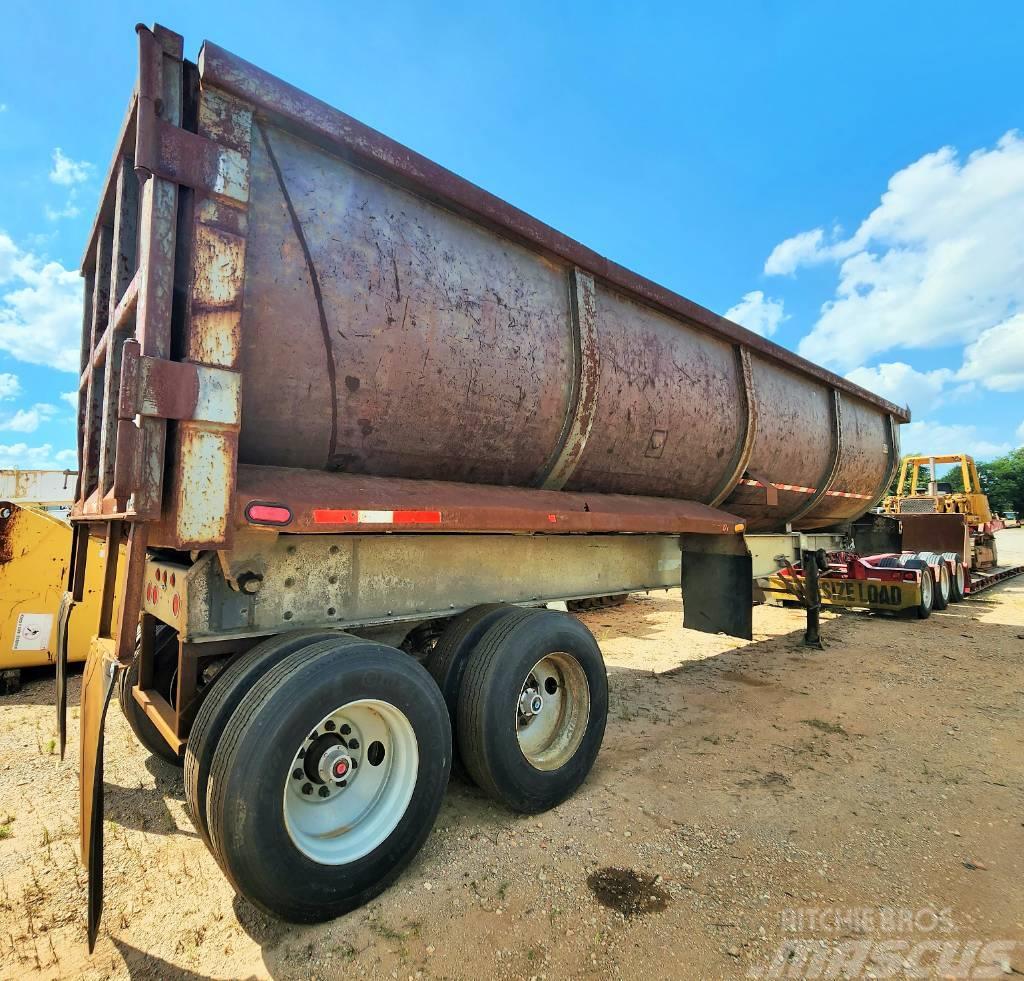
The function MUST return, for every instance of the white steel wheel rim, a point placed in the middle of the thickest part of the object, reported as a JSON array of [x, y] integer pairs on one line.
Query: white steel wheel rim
[[959, 578], [359, 812], [944, 582], [926, 589], [552, 711]]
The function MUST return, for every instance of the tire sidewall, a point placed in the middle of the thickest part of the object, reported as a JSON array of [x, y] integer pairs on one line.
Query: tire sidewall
[[522, 786], [925, 611], [258, 852]]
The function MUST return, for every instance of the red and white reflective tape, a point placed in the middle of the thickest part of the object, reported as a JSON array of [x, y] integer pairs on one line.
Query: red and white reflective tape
[[350, 516], [796, 488], [859, 497]]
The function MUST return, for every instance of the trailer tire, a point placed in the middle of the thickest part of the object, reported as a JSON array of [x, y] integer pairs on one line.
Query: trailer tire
[[165, 666], [943, 588], [526, 654], [447, 662], [928, 589], [308, 857], [226, 691], [958, 580]]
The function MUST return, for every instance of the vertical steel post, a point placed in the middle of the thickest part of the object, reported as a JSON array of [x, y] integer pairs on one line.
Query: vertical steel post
[[812, 595]]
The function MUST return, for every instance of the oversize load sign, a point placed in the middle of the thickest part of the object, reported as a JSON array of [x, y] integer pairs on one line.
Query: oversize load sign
[[857, 592]]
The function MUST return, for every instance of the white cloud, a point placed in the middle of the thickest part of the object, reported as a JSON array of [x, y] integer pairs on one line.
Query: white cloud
[[803, 249], [70, 210], [71, 398], [1020, 432], [996, 358], [939, 261], [904, 385], [758, 313], [936, 437], [3, 107], [68, 172], [41, 317], [28, 420], [10, 387], [25, 457]]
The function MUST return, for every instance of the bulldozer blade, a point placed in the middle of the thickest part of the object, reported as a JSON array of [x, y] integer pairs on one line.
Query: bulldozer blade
[[97, 685], [67, 604]]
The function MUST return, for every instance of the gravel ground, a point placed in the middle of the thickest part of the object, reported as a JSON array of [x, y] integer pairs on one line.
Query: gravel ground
[[755, 805]]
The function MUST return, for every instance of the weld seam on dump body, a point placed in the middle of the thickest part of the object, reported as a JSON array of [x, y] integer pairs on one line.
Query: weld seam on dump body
[[317, 293], [308, 117], [586, 372], [828, 478], [746, 445]]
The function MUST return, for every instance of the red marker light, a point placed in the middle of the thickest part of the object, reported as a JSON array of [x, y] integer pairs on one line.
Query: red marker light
[[176, 605], [260, 513]]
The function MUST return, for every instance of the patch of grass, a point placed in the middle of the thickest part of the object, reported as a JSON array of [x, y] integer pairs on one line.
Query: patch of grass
[[6, 831], [51, 747], [502, 890], [822, 726], [384, 931]]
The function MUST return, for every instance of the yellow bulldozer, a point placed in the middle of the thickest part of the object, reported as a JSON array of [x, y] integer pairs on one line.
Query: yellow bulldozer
[[966, 524]]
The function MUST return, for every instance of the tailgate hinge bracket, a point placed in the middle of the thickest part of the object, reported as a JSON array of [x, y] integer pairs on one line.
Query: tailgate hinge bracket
[[181, 390]]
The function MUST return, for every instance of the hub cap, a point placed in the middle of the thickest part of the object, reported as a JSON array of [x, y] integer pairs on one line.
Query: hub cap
[[552, 711], [944, 581], [350, 782], [926, 589]]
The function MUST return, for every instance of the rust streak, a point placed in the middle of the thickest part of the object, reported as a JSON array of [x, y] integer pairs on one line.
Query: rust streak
[[315, 281]]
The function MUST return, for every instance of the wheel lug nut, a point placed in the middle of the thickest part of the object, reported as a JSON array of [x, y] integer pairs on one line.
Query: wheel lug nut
[[307, 788], [324, 792], [329, 726], [353, 744], [297, 773], [345, 729]]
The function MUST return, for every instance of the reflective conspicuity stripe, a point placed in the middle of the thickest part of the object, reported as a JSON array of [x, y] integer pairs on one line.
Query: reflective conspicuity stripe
[[350, 516], [797, 489], [859, 497]]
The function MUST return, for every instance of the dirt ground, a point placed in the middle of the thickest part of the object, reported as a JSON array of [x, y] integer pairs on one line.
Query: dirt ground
[[763, 803]]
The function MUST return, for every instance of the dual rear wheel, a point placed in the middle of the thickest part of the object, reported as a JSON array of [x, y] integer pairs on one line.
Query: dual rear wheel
[[318, 761]]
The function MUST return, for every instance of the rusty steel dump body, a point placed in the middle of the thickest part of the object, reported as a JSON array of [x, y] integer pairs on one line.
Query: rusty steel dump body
[[380, 316]]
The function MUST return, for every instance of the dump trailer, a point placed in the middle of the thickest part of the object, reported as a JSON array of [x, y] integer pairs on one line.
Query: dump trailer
[[356, 422]]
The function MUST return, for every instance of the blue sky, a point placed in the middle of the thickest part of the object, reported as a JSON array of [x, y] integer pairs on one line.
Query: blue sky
[[849, 182]]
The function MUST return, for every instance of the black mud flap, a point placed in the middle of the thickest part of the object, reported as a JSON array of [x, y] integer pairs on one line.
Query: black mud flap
[[718, 585], [97, 685], [67, 604]]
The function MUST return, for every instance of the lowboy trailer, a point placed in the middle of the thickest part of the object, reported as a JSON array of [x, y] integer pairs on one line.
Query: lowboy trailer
[[355, 421]]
